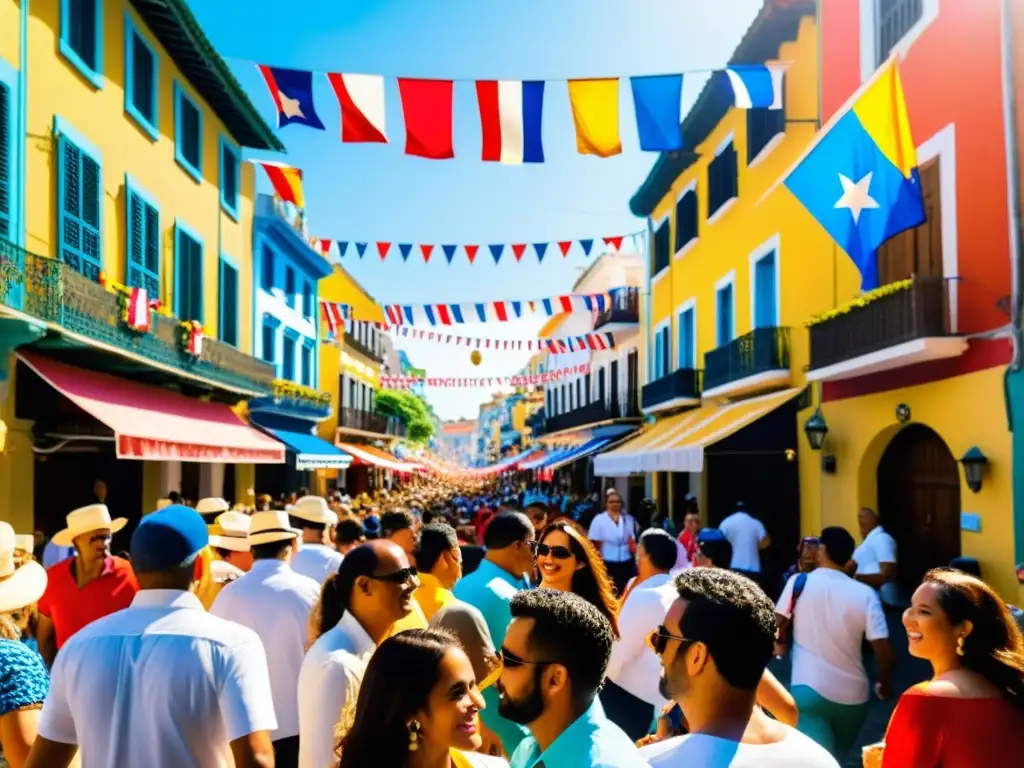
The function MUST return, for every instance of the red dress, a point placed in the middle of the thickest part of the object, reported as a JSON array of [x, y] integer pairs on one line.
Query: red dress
[[946, 732]]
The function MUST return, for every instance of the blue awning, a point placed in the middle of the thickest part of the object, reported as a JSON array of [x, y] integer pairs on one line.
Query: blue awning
[[311, 452], [582, 451]]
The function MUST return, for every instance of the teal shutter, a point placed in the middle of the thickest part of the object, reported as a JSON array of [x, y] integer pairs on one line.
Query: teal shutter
[[143, 226], [195, 281], [79, 209], [764, 292], [229, 304], [6, 207]]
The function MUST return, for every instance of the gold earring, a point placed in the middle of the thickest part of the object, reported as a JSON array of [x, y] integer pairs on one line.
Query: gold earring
[[414, 735], [960, 646]]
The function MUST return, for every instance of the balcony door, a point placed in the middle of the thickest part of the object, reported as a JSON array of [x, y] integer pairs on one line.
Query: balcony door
[[765, 310], [632, 381], [600, 385], [615, 383], [917, 251]]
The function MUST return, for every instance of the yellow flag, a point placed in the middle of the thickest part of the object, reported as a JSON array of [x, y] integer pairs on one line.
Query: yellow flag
[[595, 111]]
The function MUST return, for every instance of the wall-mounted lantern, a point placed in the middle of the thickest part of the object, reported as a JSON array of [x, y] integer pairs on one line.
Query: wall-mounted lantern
[[974, 463], [816, 429]]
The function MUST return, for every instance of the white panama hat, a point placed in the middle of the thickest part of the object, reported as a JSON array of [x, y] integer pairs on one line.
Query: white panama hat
[[94, 517], [212, 506], [267, 527], [231, 531], [21, 585], [313, 509]]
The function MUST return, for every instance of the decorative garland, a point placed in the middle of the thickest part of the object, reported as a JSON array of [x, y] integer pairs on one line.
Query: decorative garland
[[282, 389], [135, 308], [519, 380], [861, 301], [192, 338]]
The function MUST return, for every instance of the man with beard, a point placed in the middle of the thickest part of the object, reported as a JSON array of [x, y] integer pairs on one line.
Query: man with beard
[[555, 655], [715, 644]]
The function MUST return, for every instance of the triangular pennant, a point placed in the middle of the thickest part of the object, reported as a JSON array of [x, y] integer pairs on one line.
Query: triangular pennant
[[426, 250], [361, 249], [496, 251], [565, 245], [471, 252], [518, 249], [541, 249], [586, 245], [615, 243], [406, 249], [342, 247], [382, 249], [449, 252]]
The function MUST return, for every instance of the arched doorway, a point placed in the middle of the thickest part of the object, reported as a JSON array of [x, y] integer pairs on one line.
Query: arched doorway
[[919, 501]]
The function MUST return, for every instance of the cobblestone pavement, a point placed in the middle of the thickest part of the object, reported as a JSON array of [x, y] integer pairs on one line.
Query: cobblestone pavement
[[908, 671]]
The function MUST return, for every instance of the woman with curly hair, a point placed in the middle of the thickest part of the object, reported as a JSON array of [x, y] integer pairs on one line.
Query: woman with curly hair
[[971, 713], [567, 561]]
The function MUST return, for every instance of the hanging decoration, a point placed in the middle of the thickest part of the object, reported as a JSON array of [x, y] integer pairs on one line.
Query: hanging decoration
[[491, 311], [592, 341], [135, 306], [287, 181], [475, 357], [192, 338], [518, 380], [511, 110], [613, 243]]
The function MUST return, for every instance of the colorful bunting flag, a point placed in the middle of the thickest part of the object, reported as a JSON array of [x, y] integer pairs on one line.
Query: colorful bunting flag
[[382, 249], [496, 251], [518, 249], [510, 119], [426, 250], [540, 249], [405, 249], [595, 112], [471, 252], [757, 86], [292, 92], [658, 101], [427, 108], [449, 252], [361, 100], [286, 181], [361, 249], [342, 247], [564, 246]]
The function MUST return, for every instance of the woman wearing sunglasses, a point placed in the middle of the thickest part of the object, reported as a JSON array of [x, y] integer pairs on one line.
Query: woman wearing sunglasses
[[568, 562], [418, 707]]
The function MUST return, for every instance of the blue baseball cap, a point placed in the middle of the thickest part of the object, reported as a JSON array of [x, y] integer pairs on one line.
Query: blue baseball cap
[[707, 535], [168, 538]]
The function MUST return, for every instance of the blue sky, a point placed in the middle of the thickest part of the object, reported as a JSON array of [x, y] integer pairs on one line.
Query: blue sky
[[361, 192]]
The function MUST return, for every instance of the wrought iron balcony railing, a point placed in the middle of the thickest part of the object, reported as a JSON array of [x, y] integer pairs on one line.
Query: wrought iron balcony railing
[[684, 383], [366, 421], [363, 349], [592, 413], [760, 351]]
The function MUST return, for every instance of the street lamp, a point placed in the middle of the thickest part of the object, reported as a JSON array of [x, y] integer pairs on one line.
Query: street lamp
[[816, 429], [974, 463]]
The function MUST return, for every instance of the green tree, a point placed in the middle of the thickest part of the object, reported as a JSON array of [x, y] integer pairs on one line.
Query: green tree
[[420, 430], [410, 409]]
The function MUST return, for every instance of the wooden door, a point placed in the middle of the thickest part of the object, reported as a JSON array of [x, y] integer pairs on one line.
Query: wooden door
[[917, 251], [919, 502]]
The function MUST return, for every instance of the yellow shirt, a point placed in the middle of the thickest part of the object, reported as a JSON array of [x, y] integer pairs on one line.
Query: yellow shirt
[[207, 588], [415, 620], [431, 596]]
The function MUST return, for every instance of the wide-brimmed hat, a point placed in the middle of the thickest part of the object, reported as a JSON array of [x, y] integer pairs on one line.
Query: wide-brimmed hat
[[94, 517], [267, 527], [26, 542], [313, 509], [212, 506], [21, 585], [231, 531]]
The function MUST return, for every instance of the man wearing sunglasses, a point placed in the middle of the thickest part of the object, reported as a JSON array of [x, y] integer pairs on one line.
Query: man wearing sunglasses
[[554, 656], [715, 645]]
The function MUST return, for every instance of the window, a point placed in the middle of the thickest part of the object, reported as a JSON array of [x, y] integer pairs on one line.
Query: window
[[917, 251], [288, 357], [723, 181], [579, 393], [765, 287], [267, 268], [228, 321], [140, 79], [893, 20], [724, 330], [662, 352], [6, 162], [586, 387], [79, 206], [763, 125], [188, 131], [686, 219], [549, 402], [188, 295], [661, 248], [81, 37], [307, 364], [307, 301], [289, 286], [269, 332], [143, 241], [230, 177], [687, 337]]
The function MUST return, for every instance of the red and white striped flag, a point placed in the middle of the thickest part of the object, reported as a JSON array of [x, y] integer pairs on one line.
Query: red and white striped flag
[[361, 98]]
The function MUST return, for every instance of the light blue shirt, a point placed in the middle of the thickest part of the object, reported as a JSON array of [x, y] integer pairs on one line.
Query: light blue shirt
[[490, 589], [592, 741]]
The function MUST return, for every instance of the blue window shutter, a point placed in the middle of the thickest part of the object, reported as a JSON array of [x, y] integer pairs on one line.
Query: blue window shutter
[[764, 296], [79, 204], [267, 271], [288, 362], [229, 304], [196, 280], [6, 138]]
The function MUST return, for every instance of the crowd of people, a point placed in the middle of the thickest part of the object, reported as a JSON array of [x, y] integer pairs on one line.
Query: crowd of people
[[461, 624]]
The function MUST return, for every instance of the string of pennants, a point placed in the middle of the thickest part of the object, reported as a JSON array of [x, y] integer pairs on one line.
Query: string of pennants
[[518, 380], [511, 111], [592, 341]]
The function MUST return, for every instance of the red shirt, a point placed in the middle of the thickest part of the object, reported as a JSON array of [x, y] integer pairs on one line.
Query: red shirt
[[71, 608]]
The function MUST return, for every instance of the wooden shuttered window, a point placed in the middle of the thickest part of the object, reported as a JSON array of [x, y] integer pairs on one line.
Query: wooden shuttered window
[[79, 208], [917, 251]]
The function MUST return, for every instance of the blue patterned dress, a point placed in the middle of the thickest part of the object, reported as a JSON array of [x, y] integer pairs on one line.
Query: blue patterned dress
[[23, 679]]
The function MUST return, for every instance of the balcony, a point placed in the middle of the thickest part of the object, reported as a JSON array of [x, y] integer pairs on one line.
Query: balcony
[[678, 389], [754, 362], [592, 413], [85, 316], [355, 344], [623, 314], [906, 324], [365, 421]]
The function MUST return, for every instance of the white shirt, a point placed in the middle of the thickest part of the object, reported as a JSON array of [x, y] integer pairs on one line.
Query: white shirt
[[834, 614], [745, 533], [793, 751], [614, 537], [316, 561], [878, 547], [329, 683], [275, 602], [633, 666], [161, 683]]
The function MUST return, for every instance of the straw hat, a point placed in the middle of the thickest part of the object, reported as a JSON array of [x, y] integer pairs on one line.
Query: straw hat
[[22, 585], [313, 509], [212, 506], [267, 527], [95, 517], [231, 531]]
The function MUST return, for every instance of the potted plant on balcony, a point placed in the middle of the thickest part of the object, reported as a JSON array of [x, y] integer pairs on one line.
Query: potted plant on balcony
[[863, 300], [282, 389]]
